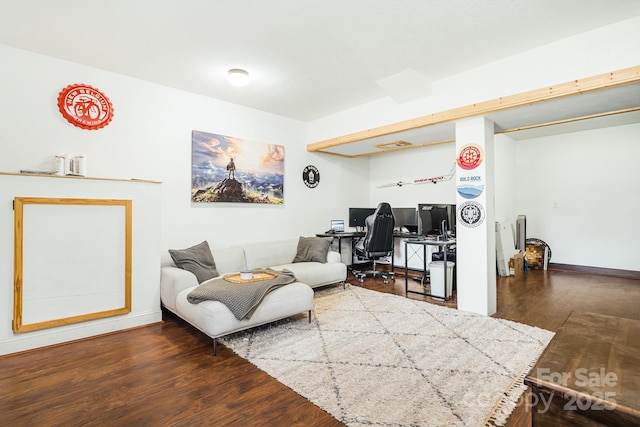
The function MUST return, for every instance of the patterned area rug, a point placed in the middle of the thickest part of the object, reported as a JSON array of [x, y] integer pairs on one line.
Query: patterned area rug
[[370, 358]]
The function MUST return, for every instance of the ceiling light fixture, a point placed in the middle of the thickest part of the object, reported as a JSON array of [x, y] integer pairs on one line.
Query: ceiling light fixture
[[238, 77], [393, 144]]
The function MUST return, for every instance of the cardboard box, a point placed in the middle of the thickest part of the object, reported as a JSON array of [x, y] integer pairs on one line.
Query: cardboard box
[[518, 264]]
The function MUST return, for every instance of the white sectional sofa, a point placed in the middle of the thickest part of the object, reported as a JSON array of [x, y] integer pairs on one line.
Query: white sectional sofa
[[214, 318]]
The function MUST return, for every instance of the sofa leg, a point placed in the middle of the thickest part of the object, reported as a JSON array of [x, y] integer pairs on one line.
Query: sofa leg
[[309, 316], [215, 346]]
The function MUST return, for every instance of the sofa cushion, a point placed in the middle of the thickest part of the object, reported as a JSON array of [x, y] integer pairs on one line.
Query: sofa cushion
[[266, 254], [314, 273], [312, 249], [229, 260], [196, 259]]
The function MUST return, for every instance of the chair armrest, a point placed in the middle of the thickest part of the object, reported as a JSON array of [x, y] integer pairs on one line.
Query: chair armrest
[[333, 257]]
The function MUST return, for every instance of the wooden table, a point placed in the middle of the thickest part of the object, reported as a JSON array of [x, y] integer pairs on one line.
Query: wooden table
[[589, 374]]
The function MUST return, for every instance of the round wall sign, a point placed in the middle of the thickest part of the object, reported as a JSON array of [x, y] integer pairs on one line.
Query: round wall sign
[[311, 176], [471, 214], [470, 156], [85, 106]]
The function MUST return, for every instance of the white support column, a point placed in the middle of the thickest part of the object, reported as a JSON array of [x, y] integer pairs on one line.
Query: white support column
[[475, 230]]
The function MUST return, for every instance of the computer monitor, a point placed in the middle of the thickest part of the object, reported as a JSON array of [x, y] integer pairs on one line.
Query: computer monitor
[[358, 215], [406, 217], [432, 215]]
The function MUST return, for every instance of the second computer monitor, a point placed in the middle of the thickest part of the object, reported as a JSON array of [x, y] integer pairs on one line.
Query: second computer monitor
[[432, 215], [407, 218]]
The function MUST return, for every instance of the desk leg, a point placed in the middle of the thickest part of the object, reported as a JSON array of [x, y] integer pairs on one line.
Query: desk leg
[[444, 257], [393, 269], [352, 250], [424, 266], [406, 270]]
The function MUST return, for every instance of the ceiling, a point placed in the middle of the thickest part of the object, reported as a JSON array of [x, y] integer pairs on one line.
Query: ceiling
[[307, 58], [610, 99]]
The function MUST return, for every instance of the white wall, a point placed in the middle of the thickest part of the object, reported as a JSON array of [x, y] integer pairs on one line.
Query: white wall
[[407, 166], [150, 138], [145, 271], [504, 175], [577, 190], [579, 194], [428, 162]]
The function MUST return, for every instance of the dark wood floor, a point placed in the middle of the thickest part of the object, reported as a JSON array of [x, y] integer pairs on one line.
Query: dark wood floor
[[165, 375]]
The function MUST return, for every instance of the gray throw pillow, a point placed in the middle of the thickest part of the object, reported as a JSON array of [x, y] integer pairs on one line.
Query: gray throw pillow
[[196, 259], [312, 249]]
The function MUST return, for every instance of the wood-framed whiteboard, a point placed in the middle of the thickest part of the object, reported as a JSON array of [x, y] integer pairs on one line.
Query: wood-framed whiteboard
[[94, 236]]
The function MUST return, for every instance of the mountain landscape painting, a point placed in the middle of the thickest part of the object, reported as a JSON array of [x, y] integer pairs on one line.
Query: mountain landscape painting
[[230, 169]]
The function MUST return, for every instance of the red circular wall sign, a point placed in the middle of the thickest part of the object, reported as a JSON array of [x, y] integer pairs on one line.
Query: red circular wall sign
[[470, 156], [85, 106]]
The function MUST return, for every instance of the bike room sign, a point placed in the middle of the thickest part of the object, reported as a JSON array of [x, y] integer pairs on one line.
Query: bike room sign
[[85, 106]]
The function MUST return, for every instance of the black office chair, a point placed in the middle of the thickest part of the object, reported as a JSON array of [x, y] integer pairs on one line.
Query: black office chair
[[377, 242]]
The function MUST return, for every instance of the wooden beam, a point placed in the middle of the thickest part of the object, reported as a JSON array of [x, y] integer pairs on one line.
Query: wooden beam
[[573, 119], [574, 87]]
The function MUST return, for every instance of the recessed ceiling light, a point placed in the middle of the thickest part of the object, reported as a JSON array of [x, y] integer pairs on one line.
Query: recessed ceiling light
[[238, 77], [392, 144]]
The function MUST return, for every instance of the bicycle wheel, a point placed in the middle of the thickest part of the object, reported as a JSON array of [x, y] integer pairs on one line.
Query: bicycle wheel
[[94, 111]]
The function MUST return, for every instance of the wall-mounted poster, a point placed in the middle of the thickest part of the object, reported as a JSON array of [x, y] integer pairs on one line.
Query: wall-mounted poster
[[229, 169]]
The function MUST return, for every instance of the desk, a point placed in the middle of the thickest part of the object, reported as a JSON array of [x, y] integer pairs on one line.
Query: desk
[[344, 235], [355, 235], [424, 243], [589, 374], [358, 234]]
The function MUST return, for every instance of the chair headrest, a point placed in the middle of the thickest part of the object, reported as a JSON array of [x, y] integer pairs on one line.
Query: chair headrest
[[383, 209]]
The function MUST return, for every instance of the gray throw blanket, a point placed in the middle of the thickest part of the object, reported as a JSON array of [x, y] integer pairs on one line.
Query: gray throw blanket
[[242, 299]]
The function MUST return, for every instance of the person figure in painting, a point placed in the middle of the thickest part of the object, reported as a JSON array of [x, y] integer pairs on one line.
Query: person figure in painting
[[231, 167]]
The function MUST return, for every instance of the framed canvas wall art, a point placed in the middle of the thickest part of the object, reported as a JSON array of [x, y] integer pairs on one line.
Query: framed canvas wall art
[[236, 170]]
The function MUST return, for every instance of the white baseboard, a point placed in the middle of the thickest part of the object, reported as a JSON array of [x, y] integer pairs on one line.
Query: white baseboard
[[46, 337]]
